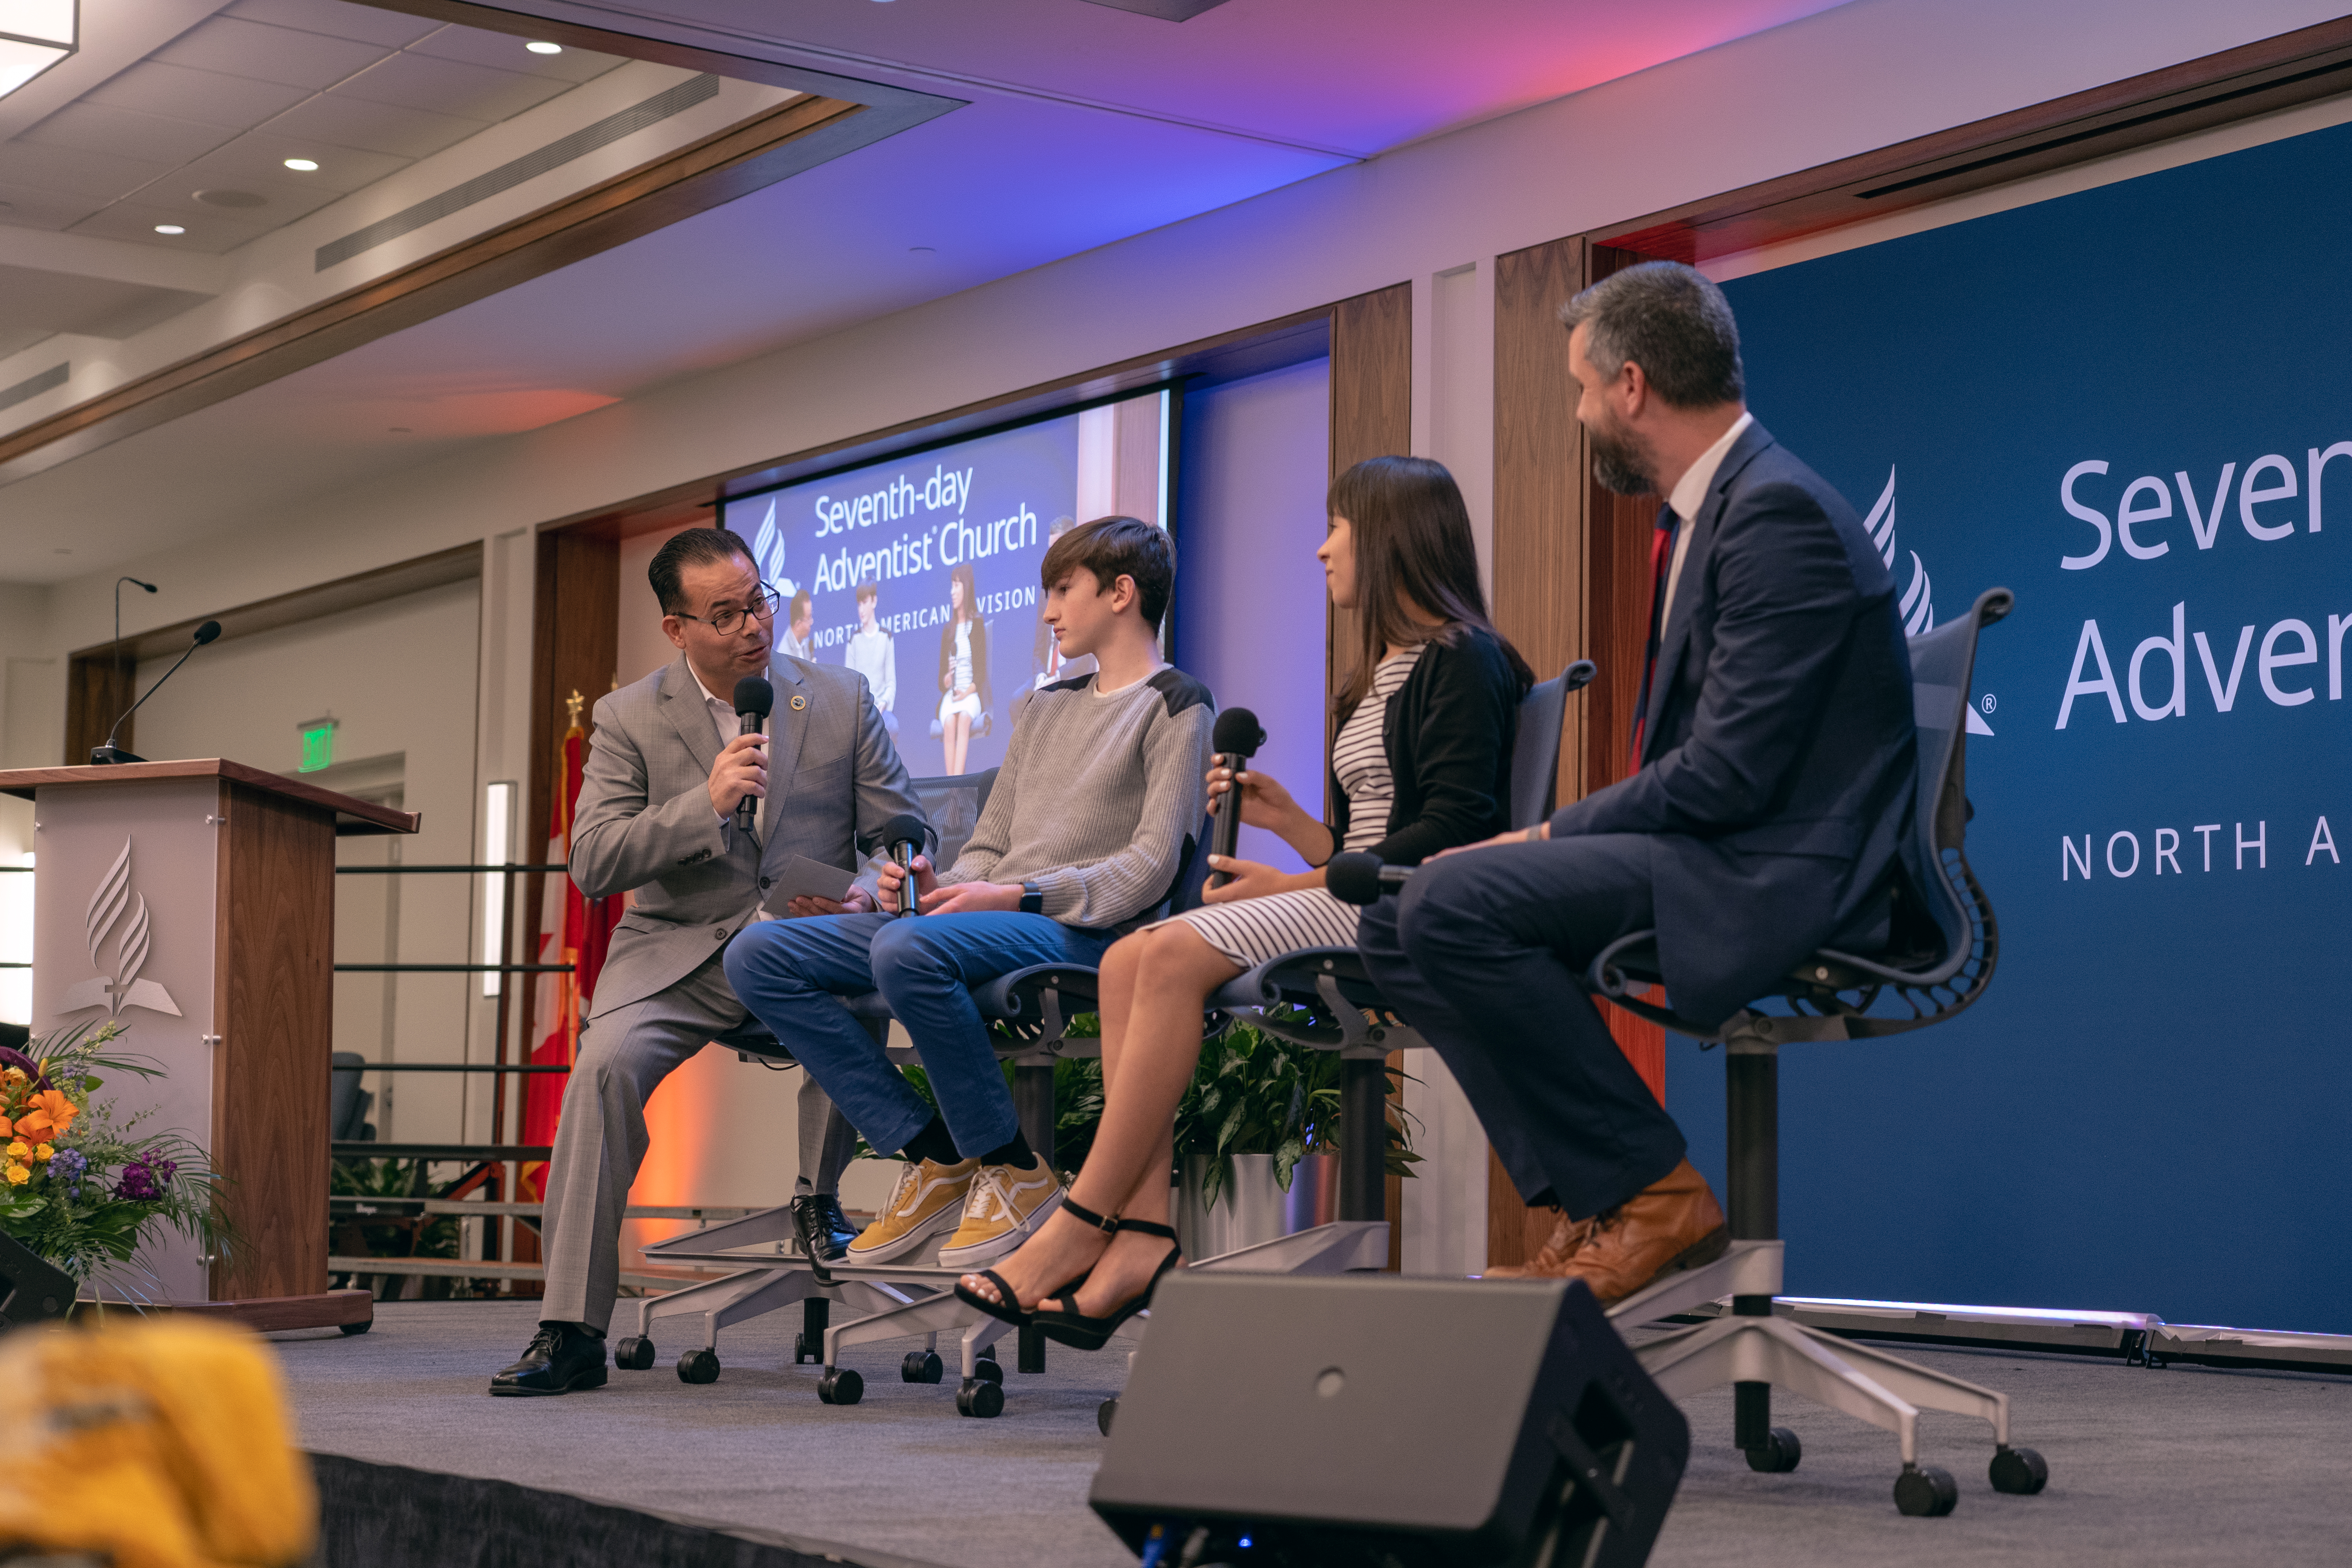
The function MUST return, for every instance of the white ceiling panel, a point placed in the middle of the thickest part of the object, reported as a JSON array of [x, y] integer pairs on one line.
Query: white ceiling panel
[[505, 52], [272, 54], [29, 207], [258, 159], [450, 87], [208, 97], [74, 171], [374, 127], [127, 133], [210, 230], [284, 198], [365, 23]]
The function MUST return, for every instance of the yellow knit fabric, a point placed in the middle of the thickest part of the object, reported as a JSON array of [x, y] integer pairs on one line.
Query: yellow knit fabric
[[162, 1444]]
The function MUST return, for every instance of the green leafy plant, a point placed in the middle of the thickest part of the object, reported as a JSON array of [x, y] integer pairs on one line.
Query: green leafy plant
[[85, 1189], [1256, 1093]]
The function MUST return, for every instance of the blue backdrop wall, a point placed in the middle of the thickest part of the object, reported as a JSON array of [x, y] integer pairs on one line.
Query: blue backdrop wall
[[2133, 405]]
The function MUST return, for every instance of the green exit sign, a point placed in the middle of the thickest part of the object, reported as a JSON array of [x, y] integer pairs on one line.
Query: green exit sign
[[317, 745]]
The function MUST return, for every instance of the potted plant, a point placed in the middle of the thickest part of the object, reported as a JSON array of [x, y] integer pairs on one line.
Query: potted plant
[[88, 1190]]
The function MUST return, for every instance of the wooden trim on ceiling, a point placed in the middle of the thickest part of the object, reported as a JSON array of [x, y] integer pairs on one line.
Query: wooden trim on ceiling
[[457, 564], [2276, 73], [742, 158]]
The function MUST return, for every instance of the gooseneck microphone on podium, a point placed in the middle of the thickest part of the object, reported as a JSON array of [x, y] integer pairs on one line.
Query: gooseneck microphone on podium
[[754, 699], [1359, 877], [110, 751], [1236, 739], [904, 837]]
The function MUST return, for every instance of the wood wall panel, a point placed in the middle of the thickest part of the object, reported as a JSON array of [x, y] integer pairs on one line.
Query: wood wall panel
[[99, 686], [274, 991], [575, 646]]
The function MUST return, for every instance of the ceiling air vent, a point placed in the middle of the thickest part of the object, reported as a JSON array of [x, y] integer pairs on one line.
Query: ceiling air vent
[[507, 176]]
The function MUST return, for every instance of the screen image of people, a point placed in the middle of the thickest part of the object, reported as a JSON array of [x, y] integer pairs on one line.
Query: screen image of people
[[873, 563]]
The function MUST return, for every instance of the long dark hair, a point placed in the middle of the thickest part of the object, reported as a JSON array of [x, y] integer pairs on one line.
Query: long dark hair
[[970, 611], [1412, 543]]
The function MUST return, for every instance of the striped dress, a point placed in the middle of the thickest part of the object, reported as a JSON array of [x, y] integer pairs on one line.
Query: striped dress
[[1256, 930]]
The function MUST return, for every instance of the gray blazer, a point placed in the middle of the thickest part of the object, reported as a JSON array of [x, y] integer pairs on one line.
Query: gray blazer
[[645, 824]]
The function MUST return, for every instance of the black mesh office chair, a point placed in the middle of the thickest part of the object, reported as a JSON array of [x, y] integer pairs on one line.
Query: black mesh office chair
[[1943, 947], [1325, 999]]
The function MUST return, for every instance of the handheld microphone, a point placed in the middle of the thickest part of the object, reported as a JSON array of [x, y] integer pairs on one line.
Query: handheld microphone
[[904, 836], [1236, 739], [754, 699], [111, 752], [1358, 877]]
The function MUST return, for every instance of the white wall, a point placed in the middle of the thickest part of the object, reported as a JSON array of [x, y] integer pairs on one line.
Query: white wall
[[400, 678], [1848, 80]]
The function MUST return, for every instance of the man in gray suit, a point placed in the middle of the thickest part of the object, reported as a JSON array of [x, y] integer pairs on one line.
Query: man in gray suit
[[658, 816]]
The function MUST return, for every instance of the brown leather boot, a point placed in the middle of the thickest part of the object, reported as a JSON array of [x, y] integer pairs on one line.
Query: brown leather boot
[[1550, 1262], [1671, 1224]]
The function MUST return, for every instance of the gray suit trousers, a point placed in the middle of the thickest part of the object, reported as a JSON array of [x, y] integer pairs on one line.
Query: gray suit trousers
[[600, 1139]]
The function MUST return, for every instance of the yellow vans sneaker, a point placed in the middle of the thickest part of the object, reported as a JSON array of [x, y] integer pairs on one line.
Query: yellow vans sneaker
[[929, 1199], [1007, 1204]]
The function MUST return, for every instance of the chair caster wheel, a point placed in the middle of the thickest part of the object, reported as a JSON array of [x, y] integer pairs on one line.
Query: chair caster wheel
[[986, 1368], [1103, 1413], [841, 1385], [359, 1328], [1923, 1491], [2020, 1471], [807, 1347], [1779, 1453], [694, 1366], [634, 1353], [978, 1396], [919, 1366]]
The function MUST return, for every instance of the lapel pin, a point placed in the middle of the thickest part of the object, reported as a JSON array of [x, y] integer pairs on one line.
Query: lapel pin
[[798, 703]]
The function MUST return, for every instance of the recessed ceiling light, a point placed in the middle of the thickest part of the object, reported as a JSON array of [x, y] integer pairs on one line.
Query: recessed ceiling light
[[543, 47], [302, 165], [922, 250], [169, 228]]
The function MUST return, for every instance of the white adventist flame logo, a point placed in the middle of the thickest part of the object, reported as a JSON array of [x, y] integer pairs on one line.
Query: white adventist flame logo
[[767, 553], [1919, 606], [107, 907]]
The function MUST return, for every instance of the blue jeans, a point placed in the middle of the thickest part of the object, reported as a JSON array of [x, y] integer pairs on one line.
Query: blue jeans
[[790, 971]]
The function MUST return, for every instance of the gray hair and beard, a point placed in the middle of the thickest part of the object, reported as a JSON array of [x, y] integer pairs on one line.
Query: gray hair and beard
[[1619, 462]]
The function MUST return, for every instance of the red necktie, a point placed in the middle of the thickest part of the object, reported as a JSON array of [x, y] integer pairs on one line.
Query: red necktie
[[1661, 551]]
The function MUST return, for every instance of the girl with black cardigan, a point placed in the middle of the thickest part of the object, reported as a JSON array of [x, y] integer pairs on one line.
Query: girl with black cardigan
[[1420, 763]]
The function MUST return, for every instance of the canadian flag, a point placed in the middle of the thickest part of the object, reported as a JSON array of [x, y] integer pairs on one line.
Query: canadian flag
[[574, 931]]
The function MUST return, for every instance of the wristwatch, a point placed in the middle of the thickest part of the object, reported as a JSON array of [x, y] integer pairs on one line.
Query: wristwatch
[[1032, 898]]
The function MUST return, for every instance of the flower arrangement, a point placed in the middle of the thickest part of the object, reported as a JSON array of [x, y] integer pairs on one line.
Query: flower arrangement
[[82, 1188]]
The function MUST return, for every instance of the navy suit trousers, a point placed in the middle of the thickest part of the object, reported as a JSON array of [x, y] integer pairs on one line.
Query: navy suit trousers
[[1481, 953]]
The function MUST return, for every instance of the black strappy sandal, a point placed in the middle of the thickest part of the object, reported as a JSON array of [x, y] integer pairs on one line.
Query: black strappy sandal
[[1007, 1309], [1073, 1328]]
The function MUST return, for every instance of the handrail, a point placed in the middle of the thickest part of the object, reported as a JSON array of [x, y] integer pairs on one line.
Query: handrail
[[443, 1066], [453, 968], [408, 870]]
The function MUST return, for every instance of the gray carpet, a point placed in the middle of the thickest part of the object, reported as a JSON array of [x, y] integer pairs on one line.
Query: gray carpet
[[2179, 1465]]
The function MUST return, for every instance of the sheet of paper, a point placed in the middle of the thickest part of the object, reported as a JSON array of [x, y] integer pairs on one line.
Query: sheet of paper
[[807, 878]]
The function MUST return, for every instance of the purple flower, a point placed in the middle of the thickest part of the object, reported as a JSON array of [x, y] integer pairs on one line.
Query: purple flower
[[145, 1180], [70, 1166]]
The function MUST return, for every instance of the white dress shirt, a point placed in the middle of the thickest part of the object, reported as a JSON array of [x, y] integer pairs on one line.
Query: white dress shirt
[[1690, 494]]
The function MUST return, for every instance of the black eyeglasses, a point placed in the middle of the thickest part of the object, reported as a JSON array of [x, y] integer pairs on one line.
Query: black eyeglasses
[[724, 622]]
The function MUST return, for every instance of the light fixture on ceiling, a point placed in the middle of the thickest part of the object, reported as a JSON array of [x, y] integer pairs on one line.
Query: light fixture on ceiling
[[170, 228], [34, 36], [302, 165], [541, 47]]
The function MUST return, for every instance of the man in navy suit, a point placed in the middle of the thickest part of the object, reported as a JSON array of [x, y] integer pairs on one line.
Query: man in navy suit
[[1768, 814]]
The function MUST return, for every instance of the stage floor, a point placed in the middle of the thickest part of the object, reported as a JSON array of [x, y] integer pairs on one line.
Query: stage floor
[[2180, 1465]]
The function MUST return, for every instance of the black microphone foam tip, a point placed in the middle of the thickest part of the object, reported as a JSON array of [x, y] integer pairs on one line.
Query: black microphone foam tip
[[754, 695], [206, 631], [1353, 876], [906, 828], [1237, 734]]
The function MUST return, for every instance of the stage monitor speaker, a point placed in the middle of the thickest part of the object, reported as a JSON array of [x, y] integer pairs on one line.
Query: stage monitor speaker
[[1388, 1423], [32, 1289]]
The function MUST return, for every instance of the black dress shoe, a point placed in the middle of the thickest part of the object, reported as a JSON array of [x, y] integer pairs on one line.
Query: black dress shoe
[[561, 1357], [824, 1232]]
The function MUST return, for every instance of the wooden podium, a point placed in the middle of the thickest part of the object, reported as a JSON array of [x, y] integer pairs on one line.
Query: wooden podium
[[195, 903]]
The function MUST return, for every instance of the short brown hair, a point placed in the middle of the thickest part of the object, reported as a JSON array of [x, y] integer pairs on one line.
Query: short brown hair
[[692, 547], [1672, 321], [1115, 547]]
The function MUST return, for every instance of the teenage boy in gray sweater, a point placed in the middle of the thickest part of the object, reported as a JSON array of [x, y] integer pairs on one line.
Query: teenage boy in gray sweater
[[1081, 841]]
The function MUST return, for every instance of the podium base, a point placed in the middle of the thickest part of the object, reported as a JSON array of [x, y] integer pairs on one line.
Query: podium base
[[353, 1311]]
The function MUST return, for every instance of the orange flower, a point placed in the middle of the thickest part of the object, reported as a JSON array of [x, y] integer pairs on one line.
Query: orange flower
[[7, 1127], [49, 1115]]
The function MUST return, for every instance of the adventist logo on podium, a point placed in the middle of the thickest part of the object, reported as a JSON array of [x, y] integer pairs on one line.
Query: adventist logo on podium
[[121, 988]]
